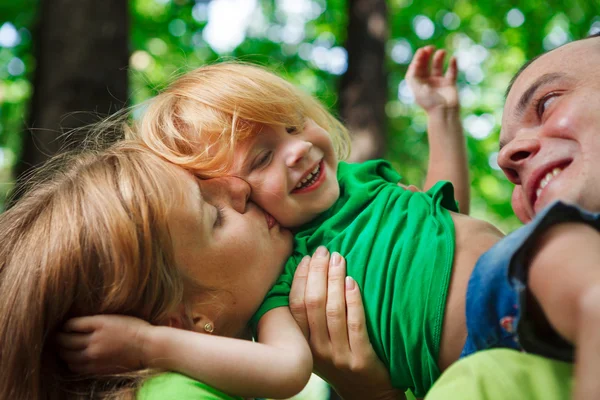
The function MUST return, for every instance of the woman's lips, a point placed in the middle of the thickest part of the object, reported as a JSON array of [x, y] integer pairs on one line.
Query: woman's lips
[[271, 222]]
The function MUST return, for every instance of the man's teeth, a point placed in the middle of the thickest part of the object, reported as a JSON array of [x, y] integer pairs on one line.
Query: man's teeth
[[314, 173], [549, 176]]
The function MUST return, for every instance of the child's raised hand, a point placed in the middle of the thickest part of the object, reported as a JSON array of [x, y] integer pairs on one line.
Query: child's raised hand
[[103, 344], [430, 86]]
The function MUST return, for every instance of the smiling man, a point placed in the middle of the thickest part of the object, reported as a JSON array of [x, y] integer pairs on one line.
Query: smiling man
[[546, 274], [550, 149], [550, 139]]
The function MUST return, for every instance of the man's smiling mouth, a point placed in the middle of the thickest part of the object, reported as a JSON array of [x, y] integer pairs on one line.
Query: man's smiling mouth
[[544, 180]]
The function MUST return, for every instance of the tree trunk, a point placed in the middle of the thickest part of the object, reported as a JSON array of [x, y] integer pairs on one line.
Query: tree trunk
[[363, 88], [82, 58]]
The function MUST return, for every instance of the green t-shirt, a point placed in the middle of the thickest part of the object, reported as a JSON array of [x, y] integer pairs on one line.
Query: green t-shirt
[[399, 247], [500, 374], [173, 386]]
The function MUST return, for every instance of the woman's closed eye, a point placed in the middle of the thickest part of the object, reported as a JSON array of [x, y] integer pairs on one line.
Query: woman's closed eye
[[262, 160], [220, 216]]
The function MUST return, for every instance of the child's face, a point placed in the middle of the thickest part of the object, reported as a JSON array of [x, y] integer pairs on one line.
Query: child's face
[[292, 171], [550, 139]]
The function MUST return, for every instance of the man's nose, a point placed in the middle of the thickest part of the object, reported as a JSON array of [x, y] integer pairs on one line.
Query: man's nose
[[230, 189], [513, 157]]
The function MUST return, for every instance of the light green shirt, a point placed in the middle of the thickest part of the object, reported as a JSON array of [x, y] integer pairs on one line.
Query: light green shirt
[[500, 374], [173, 386], [399, 247]]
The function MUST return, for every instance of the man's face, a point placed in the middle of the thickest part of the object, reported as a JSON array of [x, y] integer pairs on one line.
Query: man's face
[[550, 138]]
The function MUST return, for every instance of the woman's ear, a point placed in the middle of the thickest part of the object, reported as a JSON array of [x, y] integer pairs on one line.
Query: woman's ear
[[177, 318], [197, 322], [202, 324]]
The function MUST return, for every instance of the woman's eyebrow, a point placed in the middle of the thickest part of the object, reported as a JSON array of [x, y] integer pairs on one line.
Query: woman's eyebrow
[[530, 92]]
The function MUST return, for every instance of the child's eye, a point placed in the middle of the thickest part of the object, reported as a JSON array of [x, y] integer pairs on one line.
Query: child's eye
[[291, 129], [542, 103], [262, 160]]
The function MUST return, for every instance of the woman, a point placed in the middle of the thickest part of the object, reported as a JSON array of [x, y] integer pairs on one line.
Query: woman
[[122, 231]]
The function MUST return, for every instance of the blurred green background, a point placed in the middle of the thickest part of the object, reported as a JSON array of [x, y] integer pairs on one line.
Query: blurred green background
[[306, 41], [309, 42]]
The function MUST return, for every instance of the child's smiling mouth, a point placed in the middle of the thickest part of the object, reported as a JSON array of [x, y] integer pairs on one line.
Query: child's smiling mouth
[[311, 180]]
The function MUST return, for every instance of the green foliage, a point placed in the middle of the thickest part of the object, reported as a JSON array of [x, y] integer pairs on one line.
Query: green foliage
[[16, 65], [170, 37]]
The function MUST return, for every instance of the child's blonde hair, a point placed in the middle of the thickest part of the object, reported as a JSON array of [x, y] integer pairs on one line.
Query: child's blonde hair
[[198, 120], [90, 238]]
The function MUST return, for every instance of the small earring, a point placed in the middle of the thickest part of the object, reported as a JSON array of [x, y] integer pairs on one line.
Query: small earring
[[208, 327]]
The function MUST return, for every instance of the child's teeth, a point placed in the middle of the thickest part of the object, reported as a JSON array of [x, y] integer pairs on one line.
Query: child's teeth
[[538, 192], [308, 177], [556, 171]]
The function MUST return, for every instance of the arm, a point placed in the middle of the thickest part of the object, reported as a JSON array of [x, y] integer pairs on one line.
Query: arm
[[277, 367], [587, 354], [328, 307], [564, 268], [437, 94]]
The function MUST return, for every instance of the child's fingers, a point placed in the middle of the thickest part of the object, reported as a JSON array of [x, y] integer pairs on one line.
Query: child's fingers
[[437, 67], [81, 325], [75, 358], [357, 330], [452, 71], [73, 341], [419, 66], [336, 305], [297, 307]]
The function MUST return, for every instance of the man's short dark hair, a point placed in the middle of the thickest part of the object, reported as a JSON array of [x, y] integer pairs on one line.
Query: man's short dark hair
[[528, 63]]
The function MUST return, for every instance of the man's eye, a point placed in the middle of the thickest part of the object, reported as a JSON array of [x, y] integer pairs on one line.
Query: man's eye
[[542, 104]]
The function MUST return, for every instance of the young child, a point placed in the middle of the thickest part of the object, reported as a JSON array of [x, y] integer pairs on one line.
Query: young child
[[408, 253]]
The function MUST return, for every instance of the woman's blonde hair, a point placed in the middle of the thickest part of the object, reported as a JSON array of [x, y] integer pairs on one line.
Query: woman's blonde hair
[[197, 121], [90, 238]]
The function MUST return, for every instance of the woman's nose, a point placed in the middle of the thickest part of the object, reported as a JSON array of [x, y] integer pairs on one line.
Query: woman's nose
[[230, 189], [515, 155], [297, 150]]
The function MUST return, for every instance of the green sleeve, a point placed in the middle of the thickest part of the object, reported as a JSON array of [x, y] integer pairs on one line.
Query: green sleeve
[[500, 374], [173, 386], [442, 193]]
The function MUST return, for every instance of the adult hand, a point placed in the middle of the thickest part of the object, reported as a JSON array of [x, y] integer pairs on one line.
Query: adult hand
[[431, 87], [103, 344], [328, 307]]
